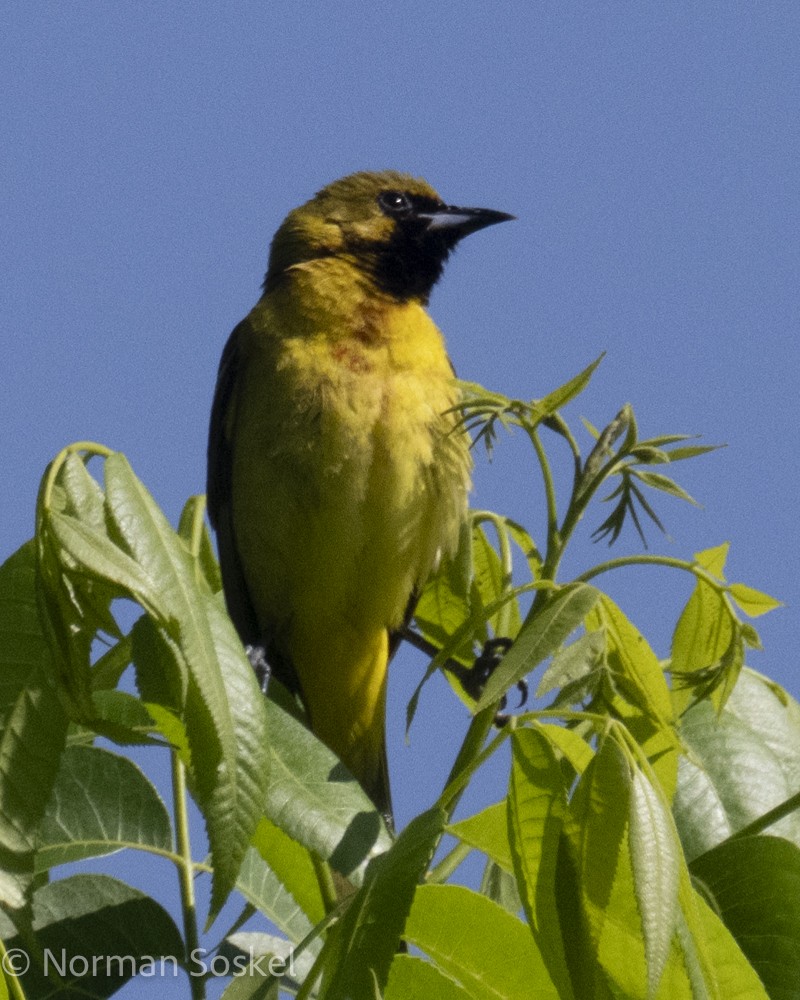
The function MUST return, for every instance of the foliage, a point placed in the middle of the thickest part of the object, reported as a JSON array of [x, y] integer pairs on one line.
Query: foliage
[[647, 844]]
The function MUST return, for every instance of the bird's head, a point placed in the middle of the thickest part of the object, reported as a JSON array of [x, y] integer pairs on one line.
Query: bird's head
[[393, 227]]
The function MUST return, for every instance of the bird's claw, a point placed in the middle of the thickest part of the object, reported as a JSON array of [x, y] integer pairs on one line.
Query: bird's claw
[[257, 656]]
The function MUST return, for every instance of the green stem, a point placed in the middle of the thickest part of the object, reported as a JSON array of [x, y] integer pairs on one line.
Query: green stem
[[55, 466], [186, 872], [759, 825], [327, 886], [469, 753], [311, 979], [648, 560], [503, 622], [554, 540], [445, 868]]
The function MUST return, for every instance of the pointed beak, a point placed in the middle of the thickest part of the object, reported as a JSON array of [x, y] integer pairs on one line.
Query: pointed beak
[[455, 223]]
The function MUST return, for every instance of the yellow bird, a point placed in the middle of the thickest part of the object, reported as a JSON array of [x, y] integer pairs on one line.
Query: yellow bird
[[337, 478]]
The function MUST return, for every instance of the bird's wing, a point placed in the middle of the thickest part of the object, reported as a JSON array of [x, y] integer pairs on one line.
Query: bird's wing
[[218, 490]]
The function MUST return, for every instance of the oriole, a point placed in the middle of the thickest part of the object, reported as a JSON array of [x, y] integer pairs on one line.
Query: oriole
[[337, 478]]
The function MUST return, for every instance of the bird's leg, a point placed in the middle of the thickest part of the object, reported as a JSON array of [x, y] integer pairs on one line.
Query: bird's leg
[[474, 679], [257, 655]]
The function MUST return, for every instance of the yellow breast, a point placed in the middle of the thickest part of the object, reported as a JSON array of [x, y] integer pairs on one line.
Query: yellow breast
[[350, 478]]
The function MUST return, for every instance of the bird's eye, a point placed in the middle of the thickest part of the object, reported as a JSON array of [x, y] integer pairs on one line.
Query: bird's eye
[[394, 202]]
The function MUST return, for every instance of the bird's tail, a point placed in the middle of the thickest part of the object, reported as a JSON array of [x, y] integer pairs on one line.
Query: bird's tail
[[342, 674]]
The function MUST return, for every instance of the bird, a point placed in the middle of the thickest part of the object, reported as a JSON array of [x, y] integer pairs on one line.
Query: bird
[[338, 471]]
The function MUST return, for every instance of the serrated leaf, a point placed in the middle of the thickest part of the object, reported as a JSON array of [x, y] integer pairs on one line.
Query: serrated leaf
[[262, 888], [487, 831], [33, 725], [193, 530], [598, 820], [537, 805], [411, 978], [635, 667], [540, 637], [753, 602], [715, 964], [656, 858], [741, 764], [492, 955], [573, 662], [714, 559], [755, 886], [292, 864], [570, 745], [94, 932], [703, 632], [224, 711], [362, 945], [268, 959], [313, 798], [101, 803]]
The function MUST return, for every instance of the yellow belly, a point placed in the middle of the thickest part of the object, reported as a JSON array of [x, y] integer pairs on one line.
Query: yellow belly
[[349, 483]]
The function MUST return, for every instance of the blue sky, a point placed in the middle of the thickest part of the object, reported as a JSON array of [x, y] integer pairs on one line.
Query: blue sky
[[650, 153]]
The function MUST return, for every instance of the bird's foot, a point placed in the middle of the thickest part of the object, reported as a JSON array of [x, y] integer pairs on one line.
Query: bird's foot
[[257, 656], [475, 679]]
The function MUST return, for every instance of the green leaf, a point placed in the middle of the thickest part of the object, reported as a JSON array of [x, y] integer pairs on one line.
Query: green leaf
[[312, 797], [635, 668], [487, 831], [692, 451], [493, 582], [444, 604], [224, 711], [527, 546], [540, 636], [100, 803], [253, 985], [264, 960], [293, 865], [569, 745], [714, 559], [360, 948], [193, 530], [656, 860], [108, 669], [754, 883], [741, 764], [477, 943], [261, 887], [411, 978], [500, 887], [537, 804], [94, 933], [573, 662], [703, 632], [715, 965], [33, 725], [122, 717], [566, 393], [598, 828], [753, 602], [658, 482]]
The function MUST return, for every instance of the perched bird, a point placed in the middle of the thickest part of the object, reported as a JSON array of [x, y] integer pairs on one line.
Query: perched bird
[[337, 478]]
